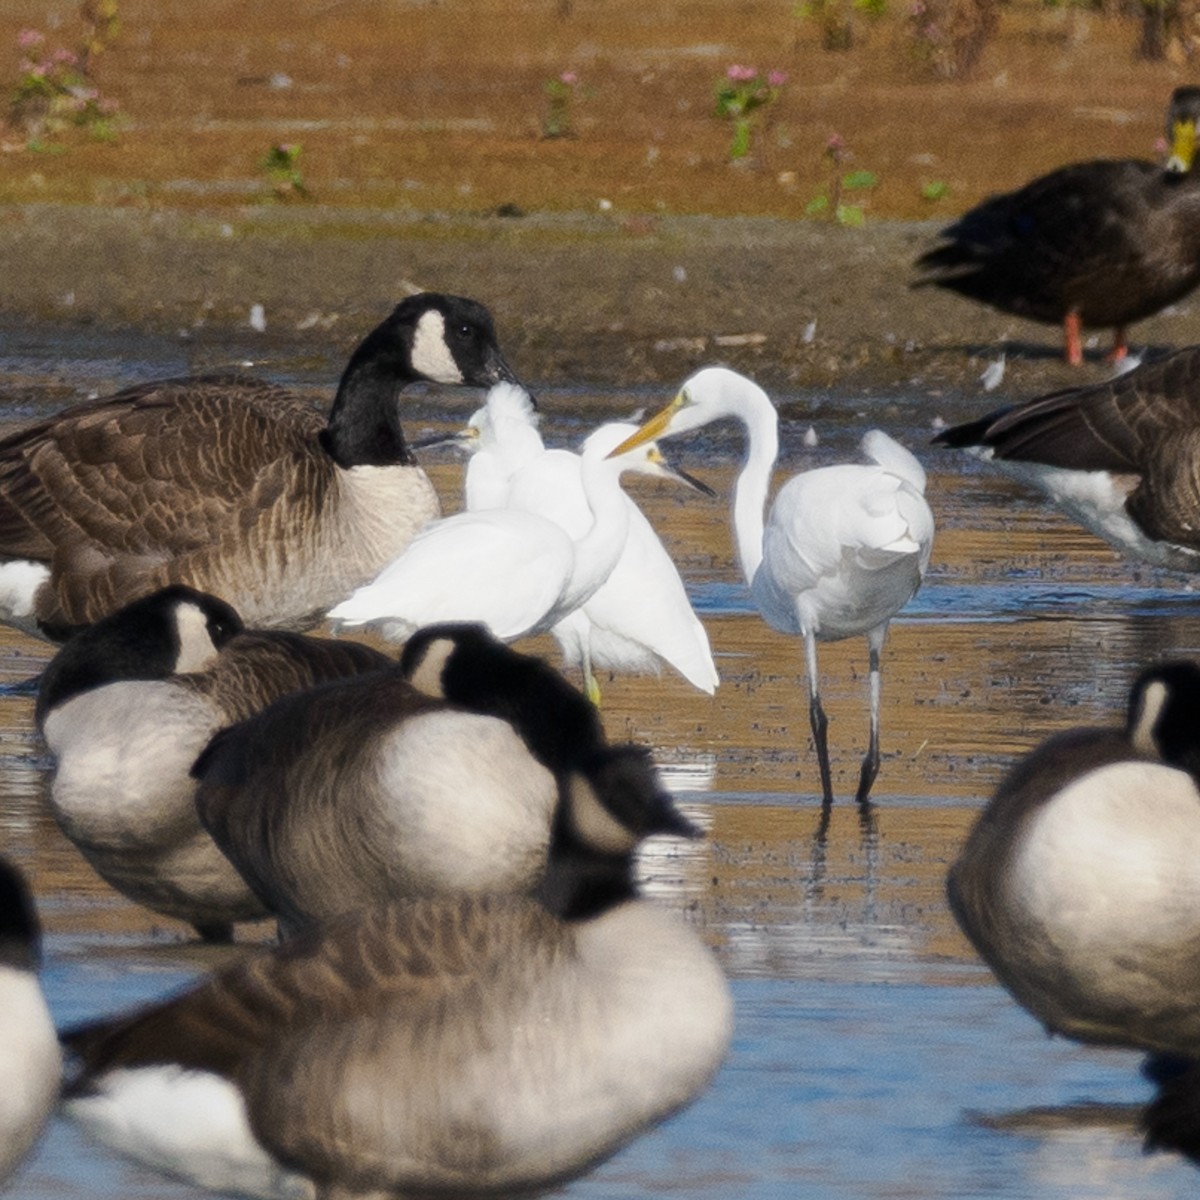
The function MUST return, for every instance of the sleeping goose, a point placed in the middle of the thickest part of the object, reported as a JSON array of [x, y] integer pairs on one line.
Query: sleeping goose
[[1079, 884], [459, 1045], [127, 705], [1096, 244], [440, 776], [1122, 458], [30, 1062], [231, 485]]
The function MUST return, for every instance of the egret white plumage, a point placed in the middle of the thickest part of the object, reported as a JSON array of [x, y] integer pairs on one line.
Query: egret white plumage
[[641, 613], [515, 571], [843, 549]]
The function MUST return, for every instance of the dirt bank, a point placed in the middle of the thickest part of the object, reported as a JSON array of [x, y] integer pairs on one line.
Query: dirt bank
[[608, 299]]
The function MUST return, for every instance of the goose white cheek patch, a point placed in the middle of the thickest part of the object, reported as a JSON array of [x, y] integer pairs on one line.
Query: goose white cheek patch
[[431, 356]]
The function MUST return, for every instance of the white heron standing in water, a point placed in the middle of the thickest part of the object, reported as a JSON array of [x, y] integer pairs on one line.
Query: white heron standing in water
[[843, 549], [641, 613]]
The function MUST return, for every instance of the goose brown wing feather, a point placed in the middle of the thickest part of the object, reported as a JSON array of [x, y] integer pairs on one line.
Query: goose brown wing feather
[[161, 463], [1121, 425], [262, 805], [410, 957]]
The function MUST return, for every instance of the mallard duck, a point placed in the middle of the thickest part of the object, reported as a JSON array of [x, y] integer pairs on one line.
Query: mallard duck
[[1097, 244]]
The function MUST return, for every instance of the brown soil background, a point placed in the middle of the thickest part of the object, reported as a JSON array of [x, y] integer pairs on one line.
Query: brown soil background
[[638, 251]]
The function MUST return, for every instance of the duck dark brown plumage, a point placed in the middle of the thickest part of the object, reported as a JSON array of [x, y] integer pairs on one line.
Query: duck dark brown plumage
[[1097, 244]]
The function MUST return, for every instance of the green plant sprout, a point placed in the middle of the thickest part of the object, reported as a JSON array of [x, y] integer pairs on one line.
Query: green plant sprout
[[282, 168], [53, 94], [560, 96], [831, 202], [740, 94]]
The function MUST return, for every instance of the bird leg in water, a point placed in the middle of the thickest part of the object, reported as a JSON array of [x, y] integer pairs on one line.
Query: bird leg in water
[[1120, 346], [871, 762], [817, 718], [1072, 339]]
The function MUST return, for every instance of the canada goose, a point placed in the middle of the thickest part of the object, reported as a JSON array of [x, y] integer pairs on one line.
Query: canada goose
[[1095, 244], [640, 615], [518, 572], [1079, 884], [231, 485], [452, 1046], [1118, 457], [29, 1055], [843, 549], [127, 705], [379, 786]]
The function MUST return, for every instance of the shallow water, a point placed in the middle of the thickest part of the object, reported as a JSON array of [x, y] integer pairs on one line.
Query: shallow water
[[874, 1056]]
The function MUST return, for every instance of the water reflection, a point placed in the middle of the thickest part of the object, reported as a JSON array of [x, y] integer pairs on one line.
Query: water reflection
[[867, 1030]]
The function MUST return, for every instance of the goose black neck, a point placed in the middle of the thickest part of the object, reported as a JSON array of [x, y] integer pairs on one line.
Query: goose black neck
[[364, 423], [580, 882]]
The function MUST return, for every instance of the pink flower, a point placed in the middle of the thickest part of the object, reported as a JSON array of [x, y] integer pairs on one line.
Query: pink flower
[[777, 78], [741, 74], [30, 39], [835, 144], [63, 57], [569, 78]]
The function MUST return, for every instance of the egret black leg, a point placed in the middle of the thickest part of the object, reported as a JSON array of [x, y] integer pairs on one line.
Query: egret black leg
[[818, 720], [870, 765]]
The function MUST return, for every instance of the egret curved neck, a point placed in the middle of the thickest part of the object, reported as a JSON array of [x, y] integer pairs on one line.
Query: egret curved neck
[[753, 484], [598, 550]]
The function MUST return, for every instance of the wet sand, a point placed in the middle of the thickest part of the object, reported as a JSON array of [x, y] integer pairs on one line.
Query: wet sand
[[612, 301]]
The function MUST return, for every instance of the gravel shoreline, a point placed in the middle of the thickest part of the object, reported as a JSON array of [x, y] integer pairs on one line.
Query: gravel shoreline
[[604, 299]]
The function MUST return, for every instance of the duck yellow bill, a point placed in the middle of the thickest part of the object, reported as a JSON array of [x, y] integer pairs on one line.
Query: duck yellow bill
[[652, 430], [1183, 146]]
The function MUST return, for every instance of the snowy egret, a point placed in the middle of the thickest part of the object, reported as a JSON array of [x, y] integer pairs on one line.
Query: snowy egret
[[127, 705], [1100, 243], [1119, 457], [28, 1044], [516, 571], [229, 484], [844, 548], [640, 614], [457, 1045]]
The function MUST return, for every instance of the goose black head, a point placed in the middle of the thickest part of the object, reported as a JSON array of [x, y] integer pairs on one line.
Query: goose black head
[[440, 338], [172, 631], [609, 806], [20, 935], [1164, 714], [466, 665]]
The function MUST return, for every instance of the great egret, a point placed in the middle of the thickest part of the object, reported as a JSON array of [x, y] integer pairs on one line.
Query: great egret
[[1119, 457], [516, 571], [459, 1045], [641, 613], [1100, 243], [843, 550], [230, 485]]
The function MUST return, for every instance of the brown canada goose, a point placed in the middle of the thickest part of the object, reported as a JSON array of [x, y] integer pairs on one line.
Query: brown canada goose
[[231, 485], [127, 705], [29, 1053], [373, 787], [1122, 458], [1096, 244], [1079, 884], [451, 1046]]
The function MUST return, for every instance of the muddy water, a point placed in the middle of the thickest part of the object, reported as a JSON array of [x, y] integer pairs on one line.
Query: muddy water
[[874, 1056]]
